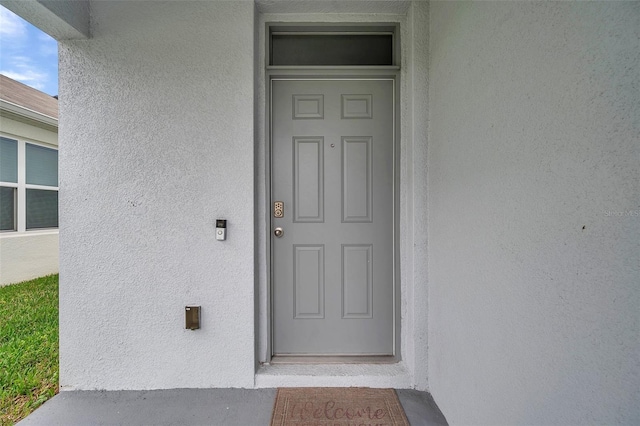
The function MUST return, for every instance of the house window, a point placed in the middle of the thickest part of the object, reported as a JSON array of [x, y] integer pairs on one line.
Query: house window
[[7, 209], [28, 186], [9, 183]]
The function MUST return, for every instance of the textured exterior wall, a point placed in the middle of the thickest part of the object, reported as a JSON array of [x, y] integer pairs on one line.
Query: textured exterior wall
[[156, 114], [534, 212], [165, 131], [414, 188], [24, 256]]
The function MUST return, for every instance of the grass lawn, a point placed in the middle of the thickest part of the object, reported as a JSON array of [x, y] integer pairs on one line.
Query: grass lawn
[[28, 346]]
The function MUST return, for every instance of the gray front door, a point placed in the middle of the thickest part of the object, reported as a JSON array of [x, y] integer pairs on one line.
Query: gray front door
[[332, 168]]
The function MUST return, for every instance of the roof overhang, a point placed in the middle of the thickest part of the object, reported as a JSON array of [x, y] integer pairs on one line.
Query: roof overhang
[[61, 19], [26, 115]]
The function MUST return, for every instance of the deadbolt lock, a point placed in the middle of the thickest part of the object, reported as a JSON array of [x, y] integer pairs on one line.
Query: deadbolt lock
[[278, 209]]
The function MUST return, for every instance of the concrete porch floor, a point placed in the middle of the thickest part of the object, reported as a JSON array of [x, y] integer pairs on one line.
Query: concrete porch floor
[[242, 407]]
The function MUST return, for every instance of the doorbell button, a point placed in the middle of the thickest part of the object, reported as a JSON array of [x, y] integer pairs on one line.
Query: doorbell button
[[221, 229]]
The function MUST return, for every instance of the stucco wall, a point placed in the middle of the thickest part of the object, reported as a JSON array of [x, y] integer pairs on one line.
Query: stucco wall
[[165, 129], [156, 114], [24, 256], [534, 212]]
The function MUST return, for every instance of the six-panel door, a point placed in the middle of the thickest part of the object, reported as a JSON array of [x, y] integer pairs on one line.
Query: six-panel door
[[332, 167]]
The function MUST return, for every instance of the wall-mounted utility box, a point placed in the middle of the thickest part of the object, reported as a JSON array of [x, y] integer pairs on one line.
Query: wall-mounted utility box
[[192, 317]]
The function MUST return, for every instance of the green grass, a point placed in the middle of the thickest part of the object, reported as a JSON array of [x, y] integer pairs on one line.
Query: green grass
[[28, 346]]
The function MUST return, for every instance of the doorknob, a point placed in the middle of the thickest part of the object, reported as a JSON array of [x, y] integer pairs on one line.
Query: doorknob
[[278, 232]]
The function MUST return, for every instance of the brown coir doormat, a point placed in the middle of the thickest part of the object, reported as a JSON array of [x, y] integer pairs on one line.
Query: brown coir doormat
[[337, 407]]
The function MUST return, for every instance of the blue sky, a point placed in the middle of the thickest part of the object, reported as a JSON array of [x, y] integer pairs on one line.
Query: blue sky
[[27, 54]]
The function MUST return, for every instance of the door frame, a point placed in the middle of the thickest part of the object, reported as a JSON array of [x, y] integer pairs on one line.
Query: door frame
[[386, 73]]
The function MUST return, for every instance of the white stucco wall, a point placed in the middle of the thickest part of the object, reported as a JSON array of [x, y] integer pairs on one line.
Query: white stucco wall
[[163, 145], [156, 114], [534, 204], [27, 255]]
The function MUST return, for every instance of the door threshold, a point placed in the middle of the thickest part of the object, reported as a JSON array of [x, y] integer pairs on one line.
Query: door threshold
[[379, 375], [311, 359]]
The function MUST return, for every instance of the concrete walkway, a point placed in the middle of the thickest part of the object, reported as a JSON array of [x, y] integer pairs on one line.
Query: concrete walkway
[[241, 407]]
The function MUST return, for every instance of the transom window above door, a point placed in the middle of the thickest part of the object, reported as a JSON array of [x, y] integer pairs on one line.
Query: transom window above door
[[332, 46]]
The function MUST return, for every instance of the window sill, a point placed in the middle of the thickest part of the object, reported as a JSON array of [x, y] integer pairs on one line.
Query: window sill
[[34, 232]]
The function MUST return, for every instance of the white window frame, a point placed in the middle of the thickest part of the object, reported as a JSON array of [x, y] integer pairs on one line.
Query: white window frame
[[22, 185]]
